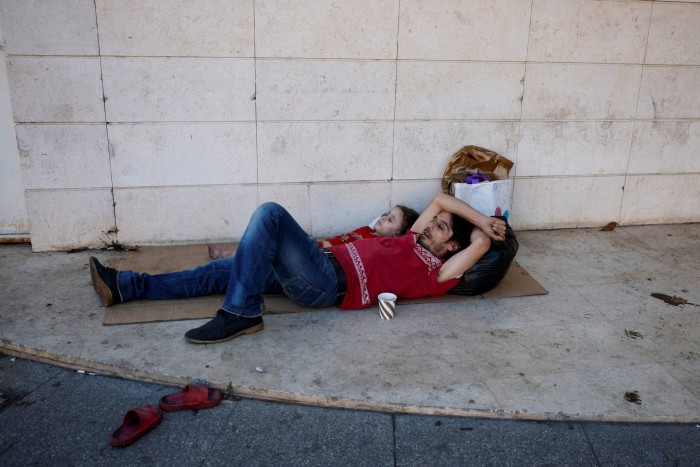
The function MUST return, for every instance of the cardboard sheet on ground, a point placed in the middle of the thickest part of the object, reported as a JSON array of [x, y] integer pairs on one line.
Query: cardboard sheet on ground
[[156, 260]]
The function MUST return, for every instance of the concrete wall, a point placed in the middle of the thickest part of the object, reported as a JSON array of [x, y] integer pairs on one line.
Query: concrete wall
[[14, 225], [155, 121]]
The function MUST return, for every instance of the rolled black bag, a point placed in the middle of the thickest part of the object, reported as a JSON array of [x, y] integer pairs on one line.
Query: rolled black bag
[[491, 268]]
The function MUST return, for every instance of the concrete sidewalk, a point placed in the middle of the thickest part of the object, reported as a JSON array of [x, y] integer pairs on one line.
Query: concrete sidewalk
[[569, 355], [62, 417]]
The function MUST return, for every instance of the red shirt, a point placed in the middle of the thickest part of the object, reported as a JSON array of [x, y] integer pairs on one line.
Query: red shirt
[[399, 265], [357, 234]]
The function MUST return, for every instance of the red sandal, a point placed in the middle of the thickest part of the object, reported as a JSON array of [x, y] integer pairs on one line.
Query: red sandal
[[192, 397], [137, 422]]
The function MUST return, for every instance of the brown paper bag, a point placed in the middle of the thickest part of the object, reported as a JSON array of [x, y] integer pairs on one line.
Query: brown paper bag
[[473, 159]]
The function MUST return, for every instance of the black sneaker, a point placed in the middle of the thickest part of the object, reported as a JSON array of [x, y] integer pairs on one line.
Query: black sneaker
[[104, 280], [224, 326]]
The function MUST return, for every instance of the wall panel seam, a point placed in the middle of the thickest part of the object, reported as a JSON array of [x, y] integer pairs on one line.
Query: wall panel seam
[[115, 230]]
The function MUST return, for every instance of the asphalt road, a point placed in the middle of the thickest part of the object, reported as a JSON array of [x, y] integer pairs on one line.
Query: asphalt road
[[59, 417]]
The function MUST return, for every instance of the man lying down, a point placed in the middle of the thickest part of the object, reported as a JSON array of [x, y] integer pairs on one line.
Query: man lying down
[[276, 255]]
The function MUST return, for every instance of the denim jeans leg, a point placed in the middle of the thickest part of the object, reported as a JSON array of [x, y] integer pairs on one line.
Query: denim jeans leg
[[275, 250], [211, 278]]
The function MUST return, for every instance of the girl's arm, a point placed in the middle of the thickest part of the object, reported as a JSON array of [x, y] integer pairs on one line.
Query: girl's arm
[[357, 234]]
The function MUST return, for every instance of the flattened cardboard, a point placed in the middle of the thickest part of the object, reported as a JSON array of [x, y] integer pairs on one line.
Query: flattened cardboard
[[158, 260]]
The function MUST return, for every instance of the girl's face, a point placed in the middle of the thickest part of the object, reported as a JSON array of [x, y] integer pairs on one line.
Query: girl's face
[[389, 225]]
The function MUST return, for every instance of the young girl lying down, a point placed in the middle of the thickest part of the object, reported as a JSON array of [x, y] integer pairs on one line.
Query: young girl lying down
[[390, 224]]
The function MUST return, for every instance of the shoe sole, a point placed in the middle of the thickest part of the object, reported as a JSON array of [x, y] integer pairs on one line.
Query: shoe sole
[[250, 330], [100, 286]]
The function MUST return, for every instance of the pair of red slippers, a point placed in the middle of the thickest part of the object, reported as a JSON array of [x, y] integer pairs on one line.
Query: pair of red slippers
[[139, 421]]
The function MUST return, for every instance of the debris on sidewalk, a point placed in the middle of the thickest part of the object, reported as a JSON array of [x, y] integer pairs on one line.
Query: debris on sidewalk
[[109, 246], [633, 396], [675, 300], [229, 394], [634, 334], [609, 227]]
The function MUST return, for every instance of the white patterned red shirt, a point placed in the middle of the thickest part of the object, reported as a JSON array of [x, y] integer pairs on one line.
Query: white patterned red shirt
[[399, 265], [357, 234]]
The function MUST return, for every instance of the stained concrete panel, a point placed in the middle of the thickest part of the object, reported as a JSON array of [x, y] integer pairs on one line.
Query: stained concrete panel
[[674, 35], [458, 90], [566, 201], [67, 27], [191, 28], [179, 89], [363, 29], [669, 92], [664, 147], [652, 199], [464, 30], [324, 151], [207, 213], [55, 89], [325, 90], [583, 31], [64, 156], [580, 91], [13, 211], [573, 148], [182, 154], [64, 219]]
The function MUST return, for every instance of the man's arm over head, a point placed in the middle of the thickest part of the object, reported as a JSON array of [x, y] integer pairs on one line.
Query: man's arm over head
[[462, 261], [492, 227]]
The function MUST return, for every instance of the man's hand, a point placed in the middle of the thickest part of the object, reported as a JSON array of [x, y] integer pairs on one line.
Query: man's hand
[[494, 228]]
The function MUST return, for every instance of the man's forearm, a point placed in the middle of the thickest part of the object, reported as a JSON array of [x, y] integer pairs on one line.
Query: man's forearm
[[494, 228], [457, 206]]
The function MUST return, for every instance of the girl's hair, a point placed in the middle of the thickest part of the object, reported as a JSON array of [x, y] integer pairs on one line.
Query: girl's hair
[[410, 217]]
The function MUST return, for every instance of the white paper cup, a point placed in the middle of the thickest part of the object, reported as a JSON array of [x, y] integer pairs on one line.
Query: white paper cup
[[387, 305]]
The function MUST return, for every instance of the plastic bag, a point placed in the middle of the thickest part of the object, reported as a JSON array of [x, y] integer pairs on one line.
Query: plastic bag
[[474, 159], [491, 268], [489, 198]]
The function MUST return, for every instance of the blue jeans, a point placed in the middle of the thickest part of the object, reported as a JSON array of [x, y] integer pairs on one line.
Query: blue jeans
[[274, 255]]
